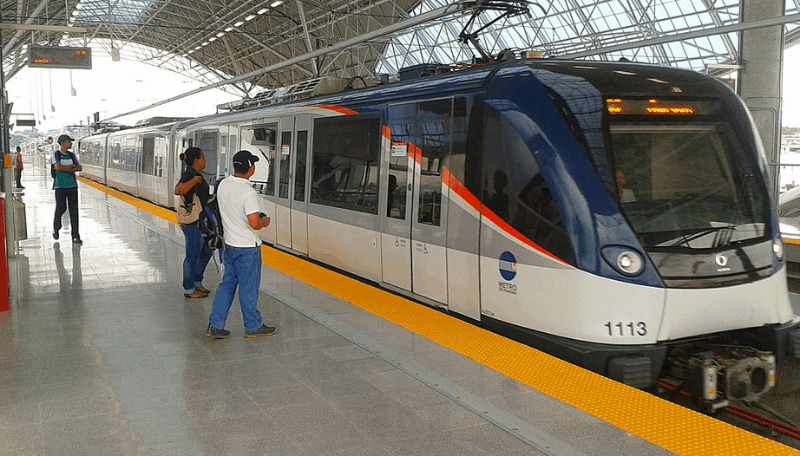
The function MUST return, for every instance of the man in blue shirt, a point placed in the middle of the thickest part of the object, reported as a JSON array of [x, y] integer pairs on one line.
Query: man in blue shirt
[[66, 186]]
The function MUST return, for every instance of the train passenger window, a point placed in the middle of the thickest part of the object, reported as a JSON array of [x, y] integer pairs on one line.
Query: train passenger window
[[300, 168], [434, 124], [260, 140], [345, 167], [115, 159], [283, 167], [130, 153], [398, 171], [148, 156], [515, 190], [207, 142], [161, 152]]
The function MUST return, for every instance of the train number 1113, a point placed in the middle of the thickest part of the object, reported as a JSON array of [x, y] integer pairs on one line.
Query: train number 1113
[[630, 328]]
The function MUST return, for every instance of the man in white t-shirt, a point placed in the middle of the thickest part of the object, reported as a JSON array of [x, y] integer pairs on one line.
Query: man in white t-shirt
[[241, 218]]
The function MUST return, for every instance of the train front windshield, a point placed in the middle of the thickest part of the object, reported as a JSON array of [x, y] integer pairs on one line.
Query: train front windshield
[[683, 181]]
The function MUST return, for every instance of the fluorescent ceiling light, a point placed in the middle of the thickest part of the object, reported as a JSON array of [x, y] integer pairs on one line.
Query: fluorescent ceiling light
[[212, 39], [229, 29], [238, 23], [276, 3], [262, 11], [220, 34], [250, 17]]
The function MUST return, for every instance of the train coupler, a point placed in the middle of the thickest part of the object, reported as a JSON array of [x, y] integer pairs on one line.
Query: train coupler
[[714, 375]]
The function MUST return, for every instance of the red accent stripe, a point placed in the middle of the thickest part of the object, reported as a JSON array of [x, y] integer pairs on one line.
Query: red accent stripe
[[455, 186], [415, 153], [386, 132], [339, 109]]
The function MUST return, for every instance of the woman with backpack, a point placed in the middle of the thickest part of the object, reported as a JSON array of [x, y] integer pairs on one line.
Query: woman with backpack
[[194, 195]]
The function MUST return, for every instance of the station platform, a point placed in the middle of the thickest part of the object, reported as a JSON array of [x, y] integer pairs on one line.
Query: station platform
[[101, 354]]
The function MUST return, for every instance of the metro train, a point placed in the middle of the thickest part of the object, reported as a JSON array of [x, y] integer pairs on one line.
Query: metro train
[[616, 215]]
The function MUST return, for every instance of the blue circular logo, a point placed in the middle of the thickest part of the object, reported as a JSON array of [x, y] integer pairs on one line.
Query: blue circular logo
[[508, 265]]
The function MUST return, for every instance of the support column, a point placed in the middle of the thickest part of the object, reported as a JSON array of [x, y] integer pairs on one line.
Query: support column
[[761, 77]]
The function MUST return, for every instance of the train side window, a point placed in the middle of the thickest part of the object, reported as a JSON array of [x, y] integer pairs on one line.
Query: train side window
[[435, 119], [148, 156], [345, 169], [398, 171], [115, 158], [131, 153], [283, 168], [260, 140], [516, 191], [207, 142], [161, 152], [300, 167]]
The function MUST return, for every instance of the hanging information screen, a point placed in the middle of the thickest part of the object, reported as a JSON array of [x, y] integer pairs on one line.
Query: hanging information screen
[[79, 58]]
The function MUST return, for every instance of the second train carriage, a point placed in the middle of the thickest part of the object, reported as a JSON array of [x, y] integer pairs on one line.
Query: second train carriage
[[605, 213]]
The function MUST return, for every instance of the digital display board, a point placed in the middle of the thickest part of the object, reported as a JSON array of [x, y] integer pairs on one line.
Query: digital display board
[[60, 57], [654, 106]]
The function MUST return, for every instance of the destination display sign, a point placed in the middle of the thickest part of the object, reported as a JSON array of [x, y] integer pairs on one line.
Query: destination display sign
[[79, 58]]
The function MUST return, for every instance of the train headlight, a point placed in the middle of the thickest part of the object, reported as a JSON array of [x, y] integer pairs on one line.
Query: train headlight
[[623, 259], [630, 263], [777, 248]]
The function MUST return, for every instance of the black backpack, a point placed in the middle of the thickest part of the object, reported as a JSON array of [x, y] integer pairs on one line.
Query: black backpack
[[211, 223]]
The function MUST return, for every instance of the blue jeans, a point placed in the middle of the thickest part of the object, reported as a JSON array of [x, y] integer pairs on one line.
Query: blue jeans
[[242, 269], [197, 257]]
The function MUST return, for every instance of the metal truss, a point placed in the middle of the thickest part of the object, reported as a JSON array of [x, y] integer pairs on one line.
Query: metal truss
[[222, 40]]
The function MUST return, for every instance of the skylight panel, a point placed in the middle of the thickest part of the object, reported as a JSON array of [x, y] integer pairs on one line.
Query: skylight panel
[[124, 12]]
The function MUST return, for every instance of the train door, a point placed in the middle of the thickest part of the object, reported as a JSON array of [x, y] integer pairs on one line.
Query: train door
[[260, 139], [429, 216], [147, 168], [396, 233], [291, 213], [420, 140]]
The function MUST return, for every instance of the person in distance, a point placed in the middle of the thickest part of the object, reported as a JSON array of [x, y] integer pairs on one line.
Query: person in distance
[[66, 186]]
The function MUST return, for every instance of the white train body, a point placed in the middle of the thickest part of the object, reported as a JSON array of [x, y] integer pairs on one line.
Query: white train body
[[495, 193]]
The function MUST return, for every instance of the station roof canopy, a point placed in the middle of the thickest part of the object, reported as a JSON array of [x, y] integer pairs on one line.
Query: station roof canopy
[[249, 46]]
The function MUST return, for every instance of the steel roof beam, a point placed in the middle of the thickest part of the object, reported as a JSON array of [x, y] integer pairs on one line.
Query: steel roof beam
[[425, 17]]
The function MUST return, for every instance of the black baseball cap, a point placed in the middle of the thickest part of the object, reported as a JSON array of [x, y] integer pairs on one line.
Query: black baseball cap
[[243, 160], [65, 138]]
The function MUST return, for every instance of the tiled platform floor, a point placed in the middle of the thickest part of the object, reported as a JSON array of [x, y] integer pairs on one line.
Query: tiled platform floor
[[102, 355]]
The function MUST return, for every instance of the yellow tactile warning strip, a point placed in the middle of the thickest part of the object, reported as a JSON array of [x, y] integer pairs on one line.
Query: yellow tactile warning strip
[[667, 425]]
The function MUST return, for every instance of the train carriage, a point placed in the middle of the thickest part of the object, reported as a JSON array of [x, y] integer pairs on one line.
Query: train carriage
[[616, 215]]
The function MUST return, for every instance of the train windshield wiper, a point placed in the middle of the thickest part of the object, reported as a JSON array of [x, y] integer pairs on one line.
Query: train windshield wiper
[[722, 236]]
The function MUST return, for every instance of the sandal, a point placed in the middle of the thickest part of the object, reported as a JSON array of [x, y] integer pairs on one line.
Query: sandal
[[195, 295], [203, 290]]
